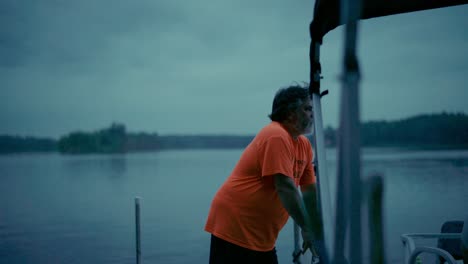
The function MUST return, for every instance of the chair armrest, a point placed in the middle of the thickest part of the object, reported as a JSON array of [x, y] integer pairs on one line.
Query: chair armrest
[[433, 250], [410, 246]]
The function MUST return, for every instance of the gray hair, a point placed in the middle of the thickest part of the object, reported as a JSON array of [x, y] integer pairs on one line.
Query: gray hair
[[287, 100]]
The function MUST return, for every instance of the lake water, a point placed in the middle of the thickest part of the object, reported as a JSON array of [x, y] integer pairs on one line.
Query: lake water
[[80, 209]]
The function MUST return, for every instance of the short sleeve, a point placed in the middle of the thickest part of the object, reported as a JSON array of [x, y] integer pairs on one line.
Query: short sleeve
[[308, 177], [277, 157]]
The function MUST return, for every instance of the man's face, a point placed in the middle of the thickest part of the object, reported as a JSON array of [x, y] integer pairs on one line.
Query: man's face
[[304, 118]]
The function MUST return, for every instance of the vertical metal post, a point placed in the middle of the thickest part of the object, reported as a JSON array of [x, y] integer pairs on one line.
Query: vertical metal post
[[349, 162], [137, 224], [323, 186]]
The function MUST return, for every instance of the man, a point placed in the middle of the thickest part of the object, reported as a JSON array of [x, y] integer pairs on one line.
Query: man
[[255, 201]]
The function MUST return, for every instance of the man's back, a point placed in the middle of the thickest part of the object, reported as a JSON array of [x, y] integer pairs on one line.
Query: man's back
[[246, 210]]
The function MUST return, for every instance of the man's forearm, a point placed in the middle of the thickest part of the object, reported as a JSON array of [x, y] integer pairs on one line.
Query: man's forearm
[[292, 201], [309, 195]]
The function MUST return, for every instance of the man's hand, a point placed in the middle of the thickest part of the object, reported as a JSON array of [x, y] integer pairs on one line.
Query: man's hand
[[317, 248], [308, 242], [298, 210]]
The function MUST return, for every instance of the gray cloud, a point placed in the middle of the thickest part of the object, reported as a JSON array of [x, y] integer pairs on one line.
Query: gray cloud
[[208, 66]]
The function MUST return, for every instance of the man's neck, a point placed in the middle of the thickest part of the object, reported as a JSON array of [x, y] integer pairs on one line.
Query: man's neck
[[291, 130]]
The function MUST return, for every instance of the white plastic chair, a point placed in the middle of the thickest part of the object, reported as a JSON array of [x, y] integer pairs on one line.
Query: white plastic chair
[[412, 251]]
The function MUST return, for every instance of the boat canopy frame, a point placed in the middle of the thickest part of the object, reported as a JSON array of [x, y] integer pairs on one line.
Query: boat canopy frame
[[328, 15]]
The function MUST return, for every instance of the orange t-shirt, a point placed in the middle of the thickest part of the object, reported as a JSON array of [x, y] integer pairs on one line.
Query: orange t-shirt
[[246, 210]]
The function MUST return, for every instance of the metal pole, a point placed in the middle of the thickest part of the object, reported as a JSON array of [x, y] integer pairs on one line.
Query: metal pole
[[137, 223], [349, 165], [323, 186], [341, 216]]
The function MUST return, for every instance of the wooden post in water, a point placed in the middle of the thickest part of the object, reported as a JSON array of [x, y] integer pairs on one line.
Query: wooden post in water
[[376, 236], [137, 224]]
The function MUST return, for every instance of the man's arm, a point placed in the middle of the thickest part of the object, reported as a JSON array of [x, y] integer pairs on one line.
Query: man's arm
[[293, 203], [309, 195]]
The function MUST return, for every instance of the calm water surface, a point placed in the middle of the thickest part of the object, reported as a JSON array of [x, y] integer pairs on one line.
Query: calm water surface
[[80, 209]]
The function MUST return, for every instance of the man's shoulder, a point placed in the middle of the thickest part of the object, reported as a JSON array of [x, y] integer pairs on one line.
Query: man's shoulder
[[273, 129], [304, 139]]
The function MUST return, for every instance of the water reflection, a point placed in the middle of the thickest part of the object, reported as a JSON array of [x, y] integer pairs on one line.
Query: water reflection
[[117, 165], [65, 207], [113, 166]]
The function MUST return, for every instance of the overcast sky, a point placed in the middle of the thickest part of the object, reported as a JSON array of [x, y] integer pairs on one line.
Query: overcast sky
[[210, 66]]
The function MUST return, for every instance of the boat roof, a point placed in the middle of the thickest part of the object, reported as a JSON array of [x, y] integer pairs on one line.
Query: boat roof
[[327, 12]]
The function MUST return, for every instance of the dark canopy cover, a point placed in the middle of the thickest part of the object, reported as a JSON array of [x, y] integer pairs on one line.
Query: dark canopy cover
[[327, 12]]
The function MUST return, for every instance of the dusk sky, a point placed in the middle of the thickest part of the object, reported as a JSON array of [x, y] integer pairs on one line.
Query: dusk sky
[[211, 66]]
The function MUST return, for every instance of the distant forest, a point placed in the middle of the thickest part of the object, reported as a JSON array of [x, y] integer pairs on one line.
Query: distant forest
[[423, 131]]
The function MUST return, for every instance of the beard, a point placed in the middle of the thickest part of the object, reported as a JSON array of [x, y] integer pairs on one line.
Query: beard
[[307, 127]]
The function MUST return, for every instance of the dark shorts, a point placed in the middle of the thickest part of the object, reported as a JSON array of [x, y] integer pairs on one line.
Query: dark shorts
[[223, 252]]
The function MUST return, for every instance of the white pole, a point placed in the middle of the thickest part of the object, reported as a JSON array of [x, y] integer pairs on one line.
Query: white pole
[[323, 186], [323, 181]]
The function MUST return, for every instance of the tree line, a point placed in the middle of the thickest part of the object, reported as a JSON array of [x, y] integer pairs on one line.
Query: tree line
[[108, 140], [115, 139], [12, 144], [443, 130], [427, 131]]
